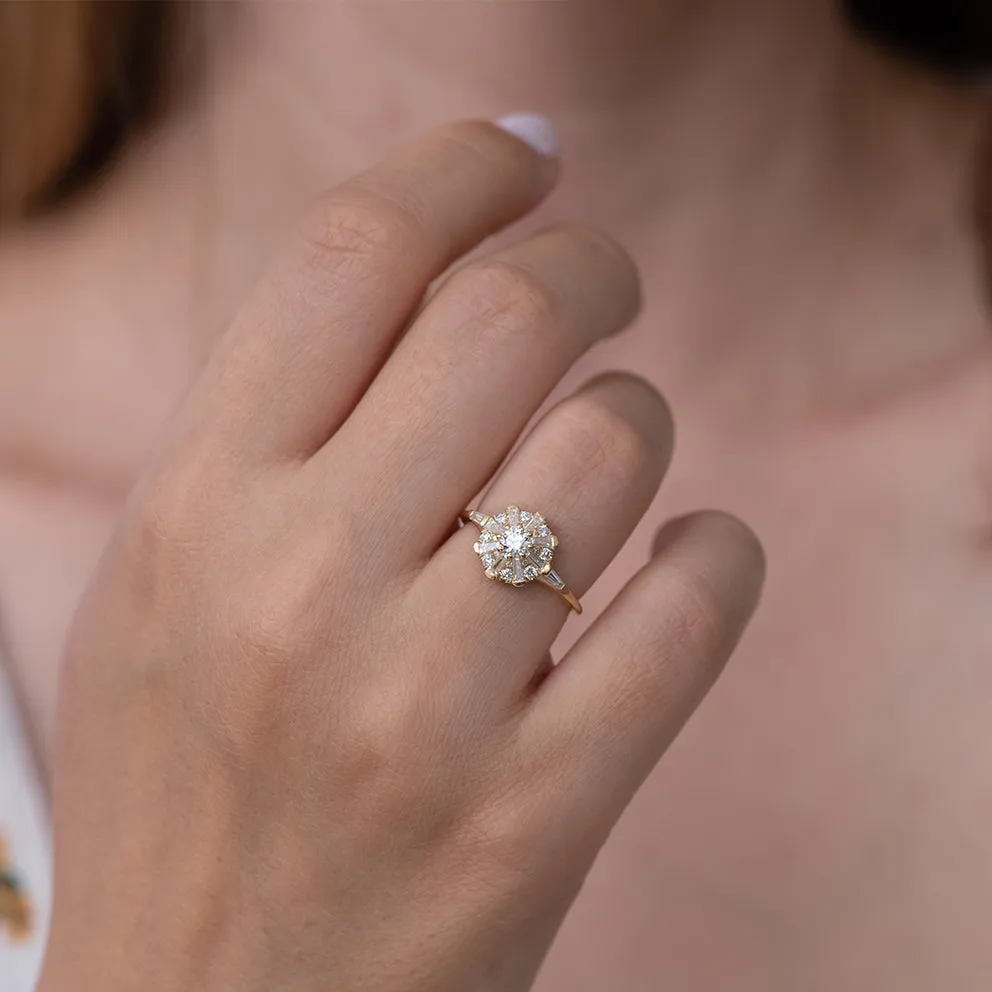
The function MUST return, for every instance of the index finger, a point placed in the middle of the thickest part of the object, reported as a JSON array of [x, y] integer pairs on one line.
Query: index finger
[[314, 333]]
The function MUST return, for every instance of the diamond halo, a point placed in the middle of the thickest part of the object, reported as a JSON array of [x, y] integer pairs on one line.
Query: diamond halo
[[516, 546]]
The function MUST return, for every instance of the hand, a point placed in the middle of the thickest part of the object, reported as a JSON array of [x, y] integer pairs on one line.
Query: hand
[[303, 742]]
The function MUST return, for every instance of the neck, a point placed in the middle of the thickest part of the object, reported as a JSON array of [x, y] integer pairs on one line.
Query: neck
[[724, 142], [775, 179]]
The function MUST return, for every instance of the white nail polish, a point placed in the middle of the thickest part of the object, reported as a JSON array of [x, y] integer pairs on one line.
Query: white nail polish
[[533, 130]]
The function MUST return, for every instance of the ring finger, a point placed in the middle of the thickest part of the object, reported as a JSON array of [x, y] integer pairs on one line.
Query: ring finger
[[591, 467]]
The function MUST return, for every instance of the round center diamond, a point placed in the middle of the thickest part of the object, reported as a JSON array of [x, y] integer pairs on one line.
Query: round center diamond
[[516, 540]]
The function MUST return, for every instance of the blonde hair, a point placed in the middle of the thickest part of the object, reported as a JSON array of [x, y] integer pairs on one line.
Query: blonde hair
[[77, 77]]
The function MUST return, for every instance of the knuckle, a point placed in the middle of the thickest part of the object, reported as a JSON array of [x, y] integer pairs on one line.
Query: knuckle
[[159, 523], [349, 232], [174, 512], [269, 629], [508, 299]]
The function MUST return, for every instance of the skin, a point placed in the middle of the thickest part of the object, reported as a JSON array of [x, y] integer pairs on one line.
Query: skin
[[815, 312], [270, 789]]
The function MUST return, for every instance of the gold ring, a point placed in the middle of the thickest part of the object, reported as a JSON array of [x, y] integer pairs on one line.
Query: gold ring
[[517, 547]]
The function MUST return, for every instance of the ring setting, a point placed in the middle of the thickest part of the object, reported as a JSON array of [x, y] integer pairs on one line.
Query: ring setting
[[517, 547]]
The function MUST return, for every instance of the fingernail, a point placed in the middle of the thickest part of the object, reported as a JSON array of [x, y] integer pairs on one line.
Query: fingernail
[[533, 130]]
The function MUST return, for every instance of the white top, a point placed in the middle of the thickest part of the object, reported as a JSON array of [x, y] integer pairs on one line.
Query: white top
[[25, 850]]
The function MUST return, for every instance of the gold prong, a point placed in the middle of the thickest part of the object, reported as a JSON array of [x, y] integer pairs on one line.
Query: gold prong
[[476, 548], [554, 541], [513, 506], [546, 569]]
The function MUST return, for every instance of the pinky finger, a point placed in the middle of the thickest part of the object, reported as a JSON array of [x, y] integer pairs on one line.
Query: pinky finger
[[610, 709]]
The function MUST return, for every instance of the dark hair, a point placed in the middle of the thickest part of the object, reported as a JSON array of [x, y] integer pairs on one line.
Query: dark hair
[[954, 36], [76, 77]]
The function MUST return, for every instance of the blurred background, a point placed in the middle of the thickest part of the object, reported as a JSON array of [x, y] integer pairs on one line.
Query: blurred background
[[76, 76]]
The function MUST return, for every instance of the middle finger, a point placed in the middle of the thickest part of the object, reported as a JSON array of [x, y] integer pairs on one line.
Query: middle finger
[[592, 465], [478, 362]]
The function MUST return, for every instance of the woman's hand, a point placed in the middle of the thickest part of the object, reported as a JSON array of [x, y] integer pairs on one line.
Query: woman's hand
[[304, 743]]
